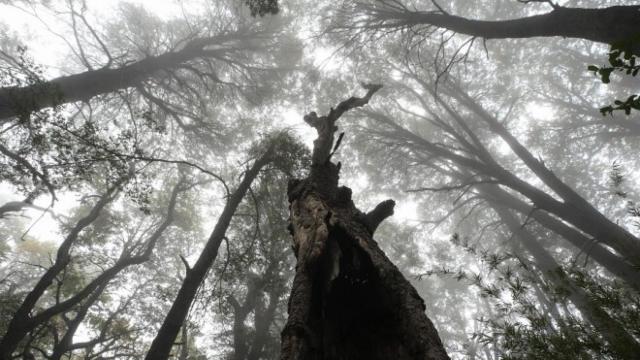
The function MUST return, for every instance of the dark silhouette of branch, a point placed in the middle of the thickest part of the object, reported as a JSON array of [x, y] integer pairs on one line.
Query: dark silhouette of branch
[[608, 25]]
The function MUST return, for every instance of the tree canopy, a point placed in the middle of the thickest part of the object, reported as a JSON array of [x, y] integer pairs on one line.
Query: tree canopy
[[261, 179]]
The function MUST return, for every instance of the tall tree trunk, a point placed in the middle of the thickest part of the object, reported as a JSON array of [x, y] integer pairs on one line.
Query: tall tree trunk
[[184, 339], [622, 342], [166, 336], [240, 314], [263, 320], [574, 208], [348, 301]]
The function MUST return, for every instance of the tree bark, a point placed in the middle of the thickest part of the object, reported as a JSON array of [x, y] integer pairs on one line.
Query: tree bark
[[184, 339], [166, 336], [240, 314], [348, 301], [608, 25]]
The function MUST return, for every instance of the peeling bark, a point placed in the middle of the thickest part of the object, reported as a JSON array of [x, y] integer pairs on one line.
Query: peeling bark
[[348, 301]]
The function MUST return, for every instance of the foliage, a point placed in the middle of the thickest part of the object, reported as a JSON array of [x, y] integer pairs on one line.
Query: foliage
[[253, 281], [51, 150], [524, 327], [621, 59], [288, 154], [262, 7]]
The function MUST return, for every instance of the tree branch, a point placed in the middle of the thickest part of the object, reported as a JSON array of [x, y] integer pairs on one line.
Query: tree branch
[[376, 216]]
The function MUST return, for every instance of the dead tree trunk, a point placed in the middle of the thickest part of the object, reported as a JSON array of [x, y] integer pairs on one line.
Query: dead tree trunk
[[348, 301]]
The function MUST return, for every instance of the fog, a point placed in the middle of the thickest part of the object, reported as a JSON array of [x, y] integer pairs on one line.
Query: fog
[[264, 179]]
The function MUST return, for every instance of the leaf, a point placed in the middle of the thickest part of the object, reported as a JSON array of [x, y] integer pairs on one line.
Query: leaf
[[606, 110], [605, 74]]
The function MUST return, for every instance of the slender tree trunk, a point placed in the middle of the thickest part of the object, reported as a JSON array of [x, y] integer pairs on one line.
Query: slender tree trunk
[[263, 320], [166, 336], [613, 263], [184, 339], [66, 342], [574, 208], [605, 25], [621, 341], [550, 306], [240, 314], [348, 301]]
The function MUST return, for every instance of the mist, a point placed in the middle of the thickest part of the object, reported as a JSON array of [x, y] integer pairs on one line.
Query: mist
[[269, 179]]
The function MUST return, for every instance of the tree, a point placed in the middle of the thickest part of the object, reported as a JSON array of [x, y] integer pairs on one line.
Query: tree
[[190, 56], [22, 321], [347, 299], [254, 278], [448, 135], [485, 169], [33, 313], [195, 275], [160, 80], [517, 217], [622, 342]]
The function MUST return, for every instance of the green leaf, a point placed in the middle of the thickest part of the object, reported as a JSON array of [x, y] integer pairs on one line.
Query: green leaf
[[606, 74]]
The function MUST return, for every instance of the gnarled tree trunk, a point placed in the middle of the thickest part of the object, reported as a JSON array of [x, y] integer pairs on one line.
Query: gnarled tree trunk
[[348, 300]]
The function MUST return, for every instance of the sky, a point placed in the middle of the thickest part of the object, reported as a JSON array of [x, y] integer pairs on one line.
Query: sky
[[49, 50]]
